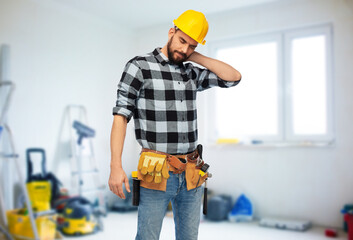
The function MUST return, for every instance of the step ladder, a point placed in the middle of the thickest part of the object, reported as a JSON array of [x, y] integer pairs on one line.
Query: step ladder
[[85, 175], [11, 156]]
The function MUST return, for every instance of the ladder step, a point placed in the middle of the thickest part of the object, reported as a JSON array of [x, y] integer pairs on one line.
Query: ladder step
[[8, 155]]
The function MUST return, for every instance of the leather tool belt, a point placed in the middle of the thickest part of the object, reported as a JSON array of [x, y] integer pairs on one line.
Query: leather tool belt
[[154, 167], [178, 163]]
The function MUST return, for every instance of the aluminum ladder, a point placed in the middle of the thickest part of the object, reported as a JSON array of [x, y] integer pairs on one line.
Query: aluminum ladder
[[10, 156], [78, 159]]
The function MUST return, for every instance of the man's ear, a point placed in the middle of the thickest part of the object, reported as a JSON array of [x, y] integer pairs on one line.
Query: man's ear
[[171, 32]]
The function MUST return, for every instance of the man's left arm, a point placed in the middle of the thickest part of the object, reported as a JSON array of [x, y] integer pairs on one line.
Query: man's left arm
[[221, 69]]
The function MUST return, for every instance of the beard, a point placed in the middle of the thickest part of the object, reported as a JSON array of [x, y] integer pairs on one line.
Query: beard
[[171, 53]]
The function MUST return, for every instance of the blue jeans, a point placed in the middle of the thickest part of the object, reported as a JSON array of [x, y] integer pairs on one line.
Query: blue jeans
[[186, 210]]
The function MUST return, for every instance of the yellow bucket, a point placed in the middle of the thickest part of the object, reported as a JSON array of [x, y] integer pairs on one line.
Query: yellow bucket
[[20, 227]]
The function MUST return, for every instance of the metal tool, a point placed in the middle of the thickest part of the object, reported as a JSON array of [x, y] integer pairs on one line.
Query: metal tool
[[202, 172]]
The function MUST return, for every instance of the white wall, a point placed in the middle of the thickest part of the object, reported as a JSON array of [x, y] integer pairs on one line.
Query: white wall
[[61, 56], [300, 183]]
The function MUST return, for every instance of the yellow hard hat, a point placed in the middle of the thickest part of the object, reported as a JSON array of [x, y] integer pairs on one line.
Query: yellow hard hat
[[194, 24]]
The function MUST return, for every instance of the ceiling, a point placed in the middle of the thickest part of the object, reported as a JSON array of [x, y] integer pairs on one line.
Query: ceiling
[[136, 14]]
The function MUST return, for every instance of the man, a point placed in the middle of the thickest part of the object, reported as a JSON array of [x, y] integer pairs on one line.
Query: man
[[159, 91]]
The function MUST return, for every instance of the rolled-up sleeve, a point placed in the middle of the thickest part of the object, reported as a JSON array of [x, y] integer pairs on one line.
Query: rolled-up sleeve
[[206, 79], [128, 90]]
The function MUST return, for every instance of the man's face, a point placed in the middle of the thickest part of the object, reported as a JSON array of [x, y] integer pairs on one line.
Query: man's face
[[180, 46]]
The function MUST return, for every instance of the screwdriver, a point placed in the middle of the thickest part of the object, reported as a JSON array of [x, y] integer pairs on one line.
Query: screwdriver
[[202, 172]]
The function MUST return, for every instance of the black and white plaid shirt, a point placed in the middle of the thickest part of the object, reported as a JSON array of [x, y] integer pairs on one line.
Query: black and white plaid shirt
[[162, 98]]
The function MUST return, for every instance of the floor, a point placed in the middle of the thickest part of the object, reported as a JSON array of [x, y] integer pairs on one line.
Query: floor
[[122, 226]]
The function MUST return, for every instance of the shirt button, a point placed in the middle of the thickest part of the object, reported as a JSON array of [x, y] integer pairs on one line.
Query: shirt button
[[179, 82]]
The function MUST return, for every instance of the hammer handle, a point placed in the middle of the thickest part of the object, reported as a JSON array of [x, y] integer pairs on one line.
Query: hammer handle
[[135, 192], [205, 200]]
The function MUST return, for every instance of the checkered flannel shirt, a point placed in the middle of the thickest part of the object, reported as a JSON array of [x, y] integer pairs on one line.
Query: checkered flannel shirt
[[162, 99]]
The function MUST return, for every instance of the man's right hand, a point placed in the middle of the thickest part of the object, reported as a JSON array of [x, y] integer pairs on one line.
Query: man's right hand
[[116, 180]]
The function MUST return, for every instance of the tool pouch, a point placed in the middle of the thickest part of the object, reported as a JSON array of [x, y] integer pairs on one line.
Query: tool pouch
[[153, 171], [194, 178]]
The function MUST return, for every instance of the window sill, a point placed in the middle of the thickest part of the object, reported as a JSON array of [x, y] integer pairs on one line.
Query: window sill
[[268, 145]]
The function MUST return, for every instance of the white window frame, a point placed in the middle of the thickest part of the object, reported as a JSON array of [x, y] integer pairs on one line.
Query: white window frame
[[285, 130], [325, 30]]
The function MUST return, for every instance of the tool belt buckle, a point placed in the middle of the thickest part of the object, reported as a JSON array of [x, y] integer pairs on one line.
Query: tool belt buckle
[[178, 164]]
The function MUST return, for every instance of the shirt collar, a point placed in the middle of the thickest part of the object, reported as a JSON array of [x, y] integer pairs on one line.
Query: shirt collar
[[162, 59], [157, 53]]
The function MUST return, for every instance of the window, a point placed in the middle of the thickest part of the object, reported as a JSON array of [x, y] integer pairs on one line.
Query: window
[[286, 92]]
